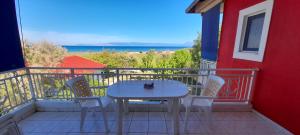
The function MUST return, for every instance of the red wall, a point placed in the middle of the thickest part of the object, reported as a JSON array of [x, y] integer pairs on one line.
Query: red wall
[[277, 89]]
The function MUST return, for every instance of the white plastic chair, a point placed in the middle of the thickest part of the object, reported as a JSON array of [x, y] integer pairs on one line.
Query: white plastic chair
[[84, 96], [49, 87], [205, 100]]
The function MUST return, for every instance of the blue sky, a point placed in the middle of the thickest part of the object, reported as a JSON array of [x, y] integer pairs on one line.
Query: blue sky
[[102, 21]]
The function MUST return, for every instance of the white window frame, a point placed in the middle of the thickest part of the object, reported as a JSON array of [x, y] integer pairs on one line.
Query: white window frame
[[264, 7]]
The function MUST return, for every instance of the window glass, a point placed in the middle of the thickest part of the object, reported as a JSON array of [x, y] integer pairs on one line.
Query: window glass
[[253, 32]]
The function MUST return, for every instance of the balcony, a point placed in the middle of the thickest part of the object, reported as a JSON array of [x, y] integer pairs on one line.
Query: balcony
[[37, 99], [153, 123]]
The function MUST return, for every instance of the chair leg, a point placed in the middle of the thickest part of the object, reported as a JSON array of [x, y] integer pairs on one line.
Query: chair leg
[[105, 120], [83, 115], [209, 116], [186, 118]]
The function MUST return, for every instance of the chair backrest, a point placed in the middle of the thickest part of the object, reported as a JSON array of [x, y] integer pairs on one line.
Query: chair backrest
[[49, 86], [79, 86], [212, 86], [48, 81]]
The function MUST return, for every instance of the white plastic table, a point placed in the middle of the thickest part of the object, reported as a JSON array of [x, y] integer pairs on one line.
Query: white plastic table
[[163, 89]]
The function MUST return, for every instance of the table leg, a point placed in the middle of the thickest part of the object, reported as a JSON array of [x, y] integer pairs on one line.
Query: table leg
[[170, 105], [119, 111], [175, 116]]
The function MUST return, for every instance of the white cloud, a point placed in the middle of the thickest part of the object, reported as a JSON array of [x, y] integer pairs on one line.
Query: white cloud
[[72, 38]]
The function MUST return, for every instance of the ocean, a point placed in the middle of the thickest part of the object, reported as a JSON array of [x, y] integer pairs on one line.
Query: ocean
[[85, 48]]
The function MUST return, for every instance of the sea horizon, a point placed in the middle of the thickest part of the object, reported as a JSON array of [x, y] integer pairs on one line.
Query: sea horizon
[[121, 48], [125, 47]]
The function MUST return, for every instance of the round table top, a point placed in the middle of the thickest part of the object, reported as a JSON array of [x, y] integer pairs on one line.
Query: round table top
[[134, 89]]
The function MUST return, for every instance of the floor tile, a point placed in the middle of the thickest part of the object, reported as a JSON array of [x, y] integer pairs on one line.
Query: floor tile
[[98, 126], [157, 134], [151, 123], [156, 116], [73, 116], [111, 115], [62, 126], [168, 116], [193, 116], [215, 127], [138, 126], [45, 126], [136, 133], [59, 133], [157, 127], [95, 116], [128, 116], [140, 116], [28, 126], [35, 134], [126, 124], [194, 127], [76, 133]]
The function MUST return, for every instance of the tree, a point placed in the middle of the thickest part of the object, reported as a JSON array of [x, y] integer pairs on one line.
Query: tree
[[164, 61], [181, 59], [148, 60], [196, 52], [114, 59], [43, 54]]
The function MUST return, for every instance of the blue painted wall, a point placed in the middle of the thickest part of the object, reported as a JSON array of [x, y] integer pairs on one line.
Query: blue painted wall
[[210, 33], [10, 46]]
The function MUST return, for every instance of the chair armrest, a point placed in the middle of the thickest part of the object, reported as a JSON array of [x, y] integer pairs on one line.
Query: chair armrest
[[87, 98], [201, 97], [90, 98]]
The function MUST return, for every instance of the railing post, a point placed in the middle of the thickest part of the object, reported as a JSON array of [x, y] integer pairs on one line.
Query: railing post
[[208, 71], [251, 88], [72, 72], [163, 74], [118, 75], [30, 84]]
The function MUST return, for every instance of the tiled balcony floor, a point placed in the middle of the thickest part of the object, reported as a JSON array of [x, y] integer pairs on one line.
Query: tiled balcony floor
[[148, 123]]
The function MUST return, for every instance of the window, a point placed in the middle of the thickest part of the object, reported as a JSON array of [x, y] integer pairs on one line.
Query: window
[[252, 31]]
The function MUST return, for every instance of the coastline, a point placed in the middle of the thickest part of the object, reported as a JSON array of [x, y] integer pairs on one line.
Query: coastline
[[123, 52], [133, 49]]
